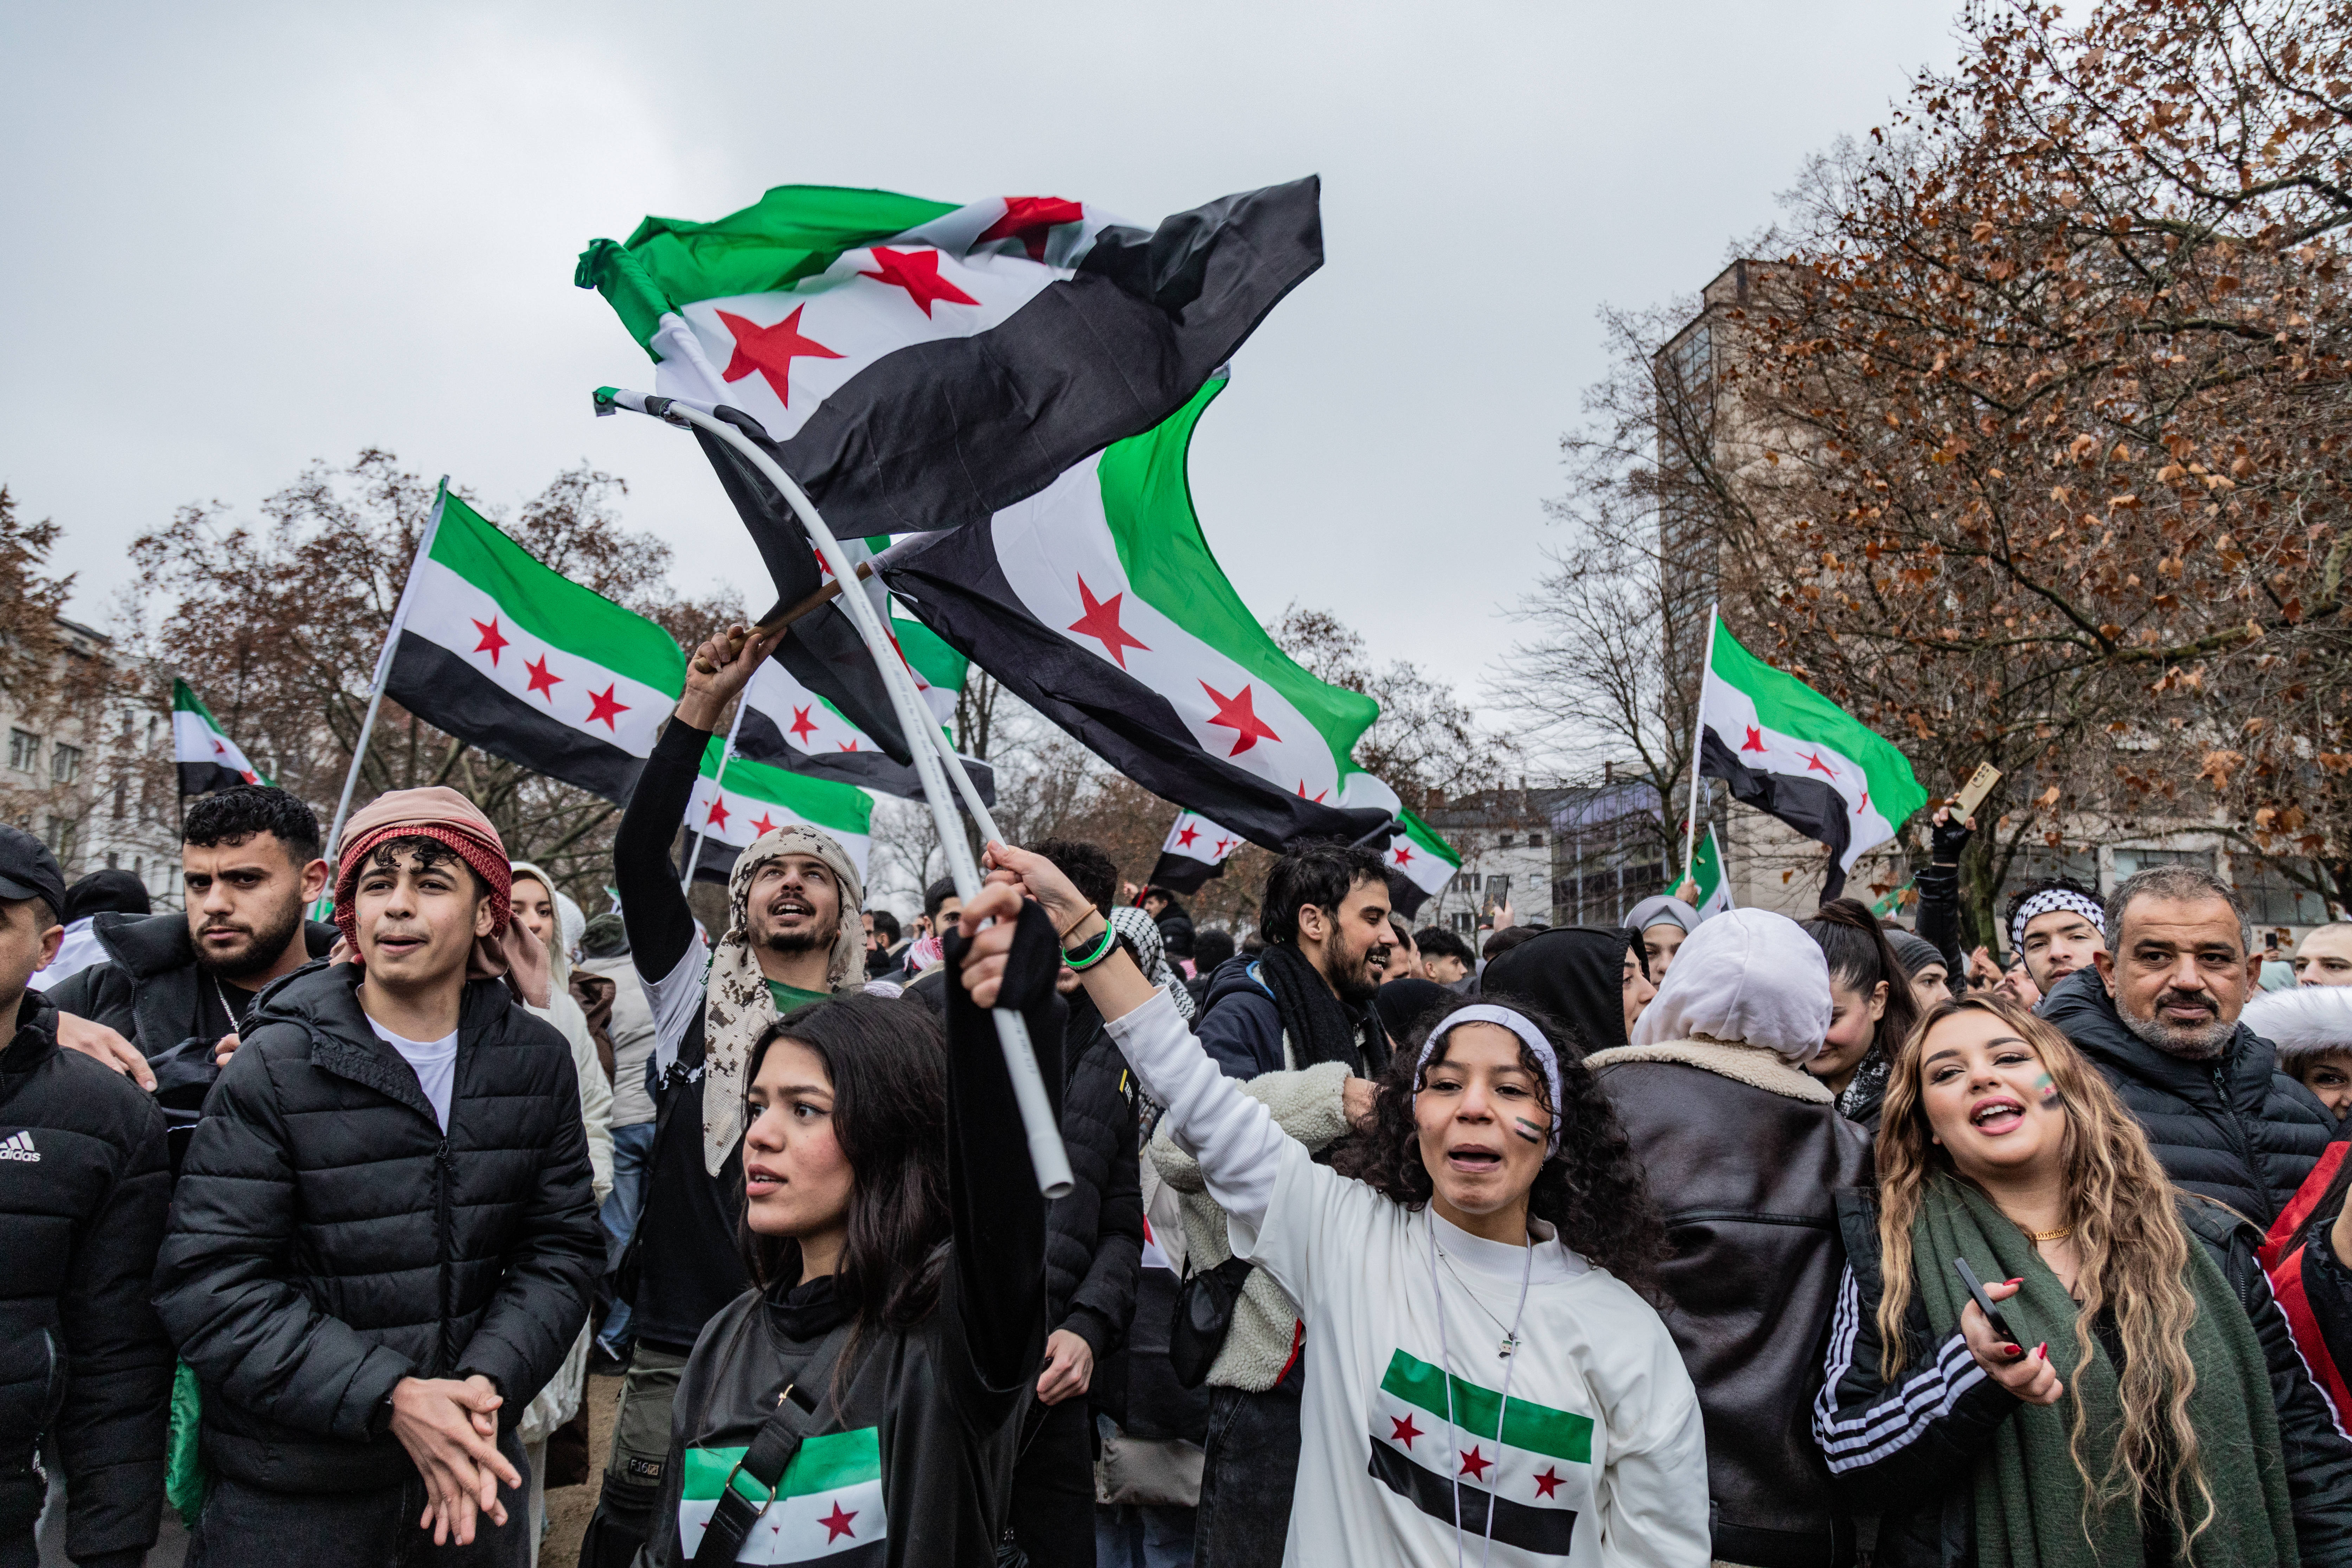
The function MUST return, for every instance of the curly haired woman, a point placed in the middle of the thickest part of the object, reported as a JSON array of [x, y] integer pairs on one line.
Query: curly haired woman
[[2146, 1403], [1483, 1382]]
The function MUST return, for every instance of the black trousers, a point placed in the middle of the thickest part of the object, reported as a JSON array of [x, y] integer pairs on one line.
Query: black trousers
[[248, 1527], [1053, 1514]]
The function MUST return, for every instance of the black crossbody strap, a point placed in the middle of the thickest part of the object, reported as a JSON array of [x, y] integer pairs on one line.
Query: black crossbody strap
[[751, 1484]]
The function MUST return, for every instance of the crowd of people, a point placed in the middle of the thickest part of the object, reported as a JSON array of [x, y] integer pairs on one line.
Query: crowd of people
[[1739, 1240]]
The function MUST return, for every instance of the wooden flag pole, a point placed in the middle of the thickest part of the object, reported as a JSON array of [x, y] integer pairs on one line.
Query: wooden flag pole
[[384, 668], [818, 600], [1046, 1156]]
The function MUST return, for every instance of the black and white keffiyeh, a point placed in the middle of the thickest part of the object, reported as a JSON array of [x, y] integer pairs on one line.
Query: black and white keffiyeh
[[2046, 901]]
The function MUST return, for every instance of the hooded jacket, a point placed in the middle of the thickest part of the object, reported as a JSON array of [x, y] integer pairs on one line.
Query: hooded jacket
[[2235, 1129], [1094, 1234], [329, 1238], [82, 1358], [1752, 1219]]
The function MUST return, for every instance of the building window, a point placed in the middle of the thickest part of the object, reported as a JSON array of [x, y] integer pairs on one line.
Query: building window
[[60, 840], [113, 860], [24, 750], [1535, 840], [65, 764], [139, 869], [122, 795], [1506, 840], [2272, 899]]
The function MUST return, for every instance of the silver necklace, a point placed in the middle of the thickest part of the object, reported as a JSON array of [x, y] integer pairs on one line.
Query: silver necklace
[[1510, 1333], [1445, 1370]]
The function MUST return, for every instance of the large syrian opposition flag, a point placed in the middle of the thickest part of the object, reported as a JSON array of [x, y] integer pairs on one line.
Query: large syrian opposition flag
[[207, 759], [1791, 753], [750, 798], [1534, 1472], [828, 1504], [786, 724], [518, 659], [1193, 854], [1099, 603]]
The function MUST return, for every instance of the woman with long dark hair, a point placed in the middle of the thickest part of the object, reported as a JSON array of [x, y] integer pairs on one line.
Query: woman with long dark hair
[[2144, 1402], [866, 1393], [1872, 1006], [1485, 1380]]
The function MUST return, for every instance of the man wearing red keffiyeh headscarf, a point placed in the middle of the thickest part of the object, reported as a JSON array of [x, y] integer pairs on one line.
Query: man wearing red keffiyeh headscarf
[[386, 1235]]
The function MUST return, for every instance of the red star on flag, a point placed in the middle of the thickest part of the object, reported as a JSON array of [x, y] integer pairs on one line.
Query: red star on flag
[[1220, 850], [1865, 801], [1239, 714], [1814, 764], [803, 726], [491, 641], [606, 708], [836, 1523], [770, 351], [1186, 833], [1101, 623], [542, 682], [1405, 854], [849, 745], [1026, 219], [918, 272], [1406, 1431], [1302, 790], [717, 812], [1475, 1465], [1548, 1482], [1755, 742], [219, 749], [763, 825]]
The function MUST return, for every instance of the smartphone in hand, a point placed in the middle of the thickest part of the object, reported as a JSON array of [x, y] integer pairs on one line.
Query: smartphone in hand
[[1984, 1302]]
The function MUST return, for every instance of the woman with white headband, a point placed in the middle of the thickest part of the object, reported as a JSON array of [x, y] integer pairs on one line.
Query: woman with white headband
[[1484, 1383]]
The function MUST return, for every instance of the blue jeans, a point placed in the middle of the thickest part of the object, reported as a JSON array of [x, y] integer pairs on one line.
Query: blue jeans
[[633, 1147], [1140, 1535]]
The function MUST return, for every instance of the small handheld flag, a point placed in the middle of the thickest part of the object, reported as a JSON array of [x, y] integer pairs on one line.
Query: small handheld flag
[[753, 798], [1706, 870], [1195, 853], [207, 759]]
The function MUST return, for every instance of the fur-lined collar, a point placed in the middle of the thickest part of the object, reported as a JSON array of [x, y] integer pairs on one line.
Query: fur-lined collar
[[2306, 1021], [1754, 1065]]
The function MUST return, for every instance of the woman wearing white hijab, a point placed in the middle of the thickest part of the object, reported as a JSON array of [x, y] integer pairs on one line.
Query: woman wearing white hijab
[[1745, 1151], [555, 920]]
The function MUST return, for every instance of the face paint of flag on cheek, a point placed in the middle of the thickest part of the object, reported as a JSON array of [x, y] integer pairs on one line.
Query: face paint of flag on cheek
[[2047, 1090], [1528, 1130]]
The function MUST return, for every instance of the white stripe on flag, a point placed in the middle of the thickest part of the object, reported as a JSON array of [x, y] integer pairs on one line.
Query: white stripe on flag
[[1195, 838], [449, 610], [797, 1529], [194, 741], [738, 819], [1518, 1475], [1731, 714]]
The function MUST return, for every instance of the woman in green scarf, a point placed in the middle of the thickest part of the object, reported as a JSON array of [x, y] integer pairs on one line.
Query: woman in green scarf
[[2146, 1404]]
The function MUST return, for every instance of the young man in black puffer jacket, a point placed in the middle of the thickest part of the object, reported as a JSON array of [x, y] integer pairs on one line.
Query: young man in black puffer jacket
[[383, 1237], [1094, 1253], [85, 1370]]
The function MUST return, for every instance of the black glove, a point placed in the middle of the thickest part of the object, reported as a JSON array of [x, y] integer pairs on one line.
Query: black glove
[[1945, 839]]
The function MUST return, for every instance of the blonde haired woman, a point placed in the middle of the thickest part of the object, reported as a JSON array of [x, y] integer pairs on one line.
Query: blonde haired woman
[[2147, 1406]]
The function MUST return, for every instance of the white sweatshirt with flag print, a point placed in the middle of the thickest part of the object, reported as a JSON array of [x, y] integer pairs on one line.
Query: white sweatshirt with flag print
[[1600, 1456]]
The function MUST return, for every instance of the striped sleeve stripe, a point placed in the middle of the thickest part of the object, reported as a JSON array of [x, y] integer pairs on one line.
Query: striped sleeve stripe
[[1897, 1420]]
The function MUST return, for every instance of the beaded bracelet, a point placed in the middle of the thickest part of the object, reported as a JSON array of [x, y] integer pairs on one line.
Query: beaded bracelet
[[1102, 950]]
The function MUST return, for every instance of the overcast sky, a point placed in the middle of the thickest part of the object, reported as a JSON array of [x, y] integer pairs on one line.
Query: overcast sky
[[244, 237]]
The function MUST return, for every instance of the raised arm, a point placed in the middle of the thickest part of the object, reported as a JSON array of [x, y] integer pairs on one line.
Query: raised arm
[[1232, 1135]]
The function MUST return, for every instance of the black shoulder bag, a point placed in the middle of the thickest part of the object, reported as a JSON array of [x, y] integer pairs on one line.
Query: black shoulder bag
[[751, 1484], [1204, 1315]]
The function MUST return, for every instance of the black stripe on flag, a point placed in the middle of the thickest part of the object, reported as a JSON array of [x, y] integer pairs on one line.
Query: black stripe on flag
[[449, 693], [1549, 1530], [203, 778], [951, 431], [1182, 874], [959, 591], [758, 737], [1807, 805]]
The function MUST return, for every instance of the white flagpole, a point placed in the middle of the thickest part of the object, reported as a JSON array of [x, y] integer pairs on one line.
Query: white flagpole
[[1046, 1155], [1698, 733], [384, 668], [719, 786]]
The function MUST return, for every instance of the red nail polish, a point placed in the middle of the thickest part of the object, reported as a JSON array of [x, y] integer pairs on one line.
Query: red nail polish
[[2013, 1349], [2043, 1350], [2019, 1280]]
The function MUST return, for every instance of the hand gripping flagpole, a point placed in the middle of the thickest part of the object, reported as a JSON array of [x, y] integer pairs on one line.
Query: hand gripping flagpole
[[1046, 1155]]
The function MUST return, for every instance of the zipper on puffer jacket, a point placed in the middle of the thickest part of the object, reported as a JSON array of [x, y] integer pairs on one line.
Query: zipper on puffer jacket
[[447, 1352], [2244, 1140]]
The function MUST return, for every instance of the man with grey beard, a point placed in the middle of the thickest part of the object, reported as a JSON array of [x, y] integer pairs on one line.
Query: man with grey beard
[[2158, 1016]]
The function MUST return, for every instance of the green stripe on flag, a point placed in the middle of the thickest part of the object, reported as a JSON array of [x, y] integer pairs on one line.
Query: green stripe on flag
[[822, 1464], [553, 608], [1787, 704], [1425, 838], [790, 233], [823, 803], [1147, 498], [929, 654], [1537, 1428]]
